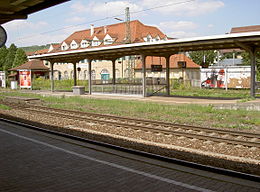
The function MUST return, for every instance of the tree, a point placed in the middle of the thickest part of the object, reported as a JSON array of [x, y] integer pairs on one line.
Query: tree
[[246, 61], [20, 57], [10, 57], [198, 57], [3, 54]]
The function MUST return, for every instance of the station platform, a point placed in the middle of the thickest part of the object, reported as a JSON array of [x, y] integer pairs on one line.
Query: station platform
[[220, 103], [35, 161]]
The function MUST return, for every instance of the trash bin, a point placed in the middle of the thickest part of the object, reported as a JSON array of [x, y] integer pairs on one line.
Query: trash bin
[[13, 84], [78, 90]]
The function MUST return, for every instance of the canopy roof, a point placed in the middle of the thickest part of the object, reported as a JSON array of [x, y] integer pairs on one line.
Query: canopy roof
[[20, 9], [162, 48], [35, 65]]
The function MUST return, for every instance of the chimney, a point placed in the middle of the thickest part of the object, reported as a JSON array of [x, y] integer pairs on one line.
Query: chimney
[[91, 29], [105, 29]]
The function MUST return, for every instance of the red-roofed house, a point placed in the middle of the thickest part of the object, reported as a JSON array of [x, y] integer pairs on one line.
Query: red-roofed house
[[188, 71]]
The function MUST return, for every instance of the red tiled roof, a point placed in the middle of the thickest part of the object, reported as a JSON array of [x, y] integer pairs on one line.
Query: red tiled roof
[[32, 65], [245, 29], [173, 62], [42, 51], [138, 30]]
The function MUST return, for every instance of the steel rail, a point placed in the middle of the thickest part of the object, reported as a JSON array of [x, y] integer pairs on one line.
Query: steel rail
[[158, 123], [152, 129]]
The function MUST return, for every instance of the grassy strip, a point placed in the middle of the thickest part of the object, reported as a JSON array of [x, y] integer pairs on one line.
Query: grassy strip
[[4, 107], [197, 92], [184, 114], [45, 84]]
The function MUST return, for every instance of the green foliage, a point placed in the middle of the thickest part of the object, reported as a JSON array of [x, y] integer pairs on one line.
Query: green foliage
[[10, 57], [20, 57], [45, 84], [229, 55], [3, 54], [35, 48], [4, 107], [198, 57]]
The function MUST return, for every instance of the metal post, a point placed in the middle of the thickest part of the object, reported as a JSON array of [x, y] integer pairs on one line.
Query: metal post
[[89, 77], [168, 75], [143, 57], [75, 73], [114, 71], [253, 64], [52, 79]]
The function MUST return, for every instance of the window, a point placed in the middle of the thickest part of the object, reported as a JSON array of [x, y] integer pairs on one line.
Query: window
[[73, 45], [93, 74], [84, 43], [66, 75], [95, 43], [85, 75]]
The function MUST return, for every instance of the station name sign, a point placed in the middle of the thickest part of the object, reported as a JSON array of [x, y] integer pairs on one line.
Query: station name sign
[[156, 68]]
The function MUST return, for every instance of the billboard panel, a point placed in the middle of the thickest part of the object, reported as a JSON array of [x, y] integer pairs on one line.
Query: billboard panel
[[230, 77], [25, 79]]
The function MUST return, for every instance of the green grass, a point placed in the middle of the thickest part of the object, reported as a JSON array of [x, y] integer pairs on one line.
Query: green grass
[[4, 107], [66, 85], [184, 114], [198, 92]]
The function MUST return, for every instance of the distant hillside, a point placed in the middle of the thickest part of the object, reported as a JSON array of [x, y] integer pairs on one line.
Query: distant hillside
[[35, 48]]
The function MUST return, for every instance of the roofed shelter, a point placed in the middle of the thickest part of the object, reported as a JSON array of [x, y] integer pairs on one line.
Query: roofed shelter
[[248, 41], [30, 70]]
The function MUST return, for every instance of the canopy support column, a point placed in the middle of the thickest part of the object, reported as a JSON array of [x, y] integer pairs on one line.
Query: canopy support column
[[74, 73], [114, 71], [89, 77], [252, 53], [51, 76], [143, 58], [167, 75]]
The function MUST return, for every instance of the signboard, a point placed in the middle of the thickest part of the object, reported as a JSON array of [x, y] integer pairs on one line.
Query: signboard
[[25, 79], [226, 77], [156, 68], [2, 79], [182, 64]]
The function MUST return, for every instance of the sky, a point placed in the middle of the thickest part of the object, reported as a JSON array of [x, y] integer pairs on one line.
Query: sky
[[175, 18]]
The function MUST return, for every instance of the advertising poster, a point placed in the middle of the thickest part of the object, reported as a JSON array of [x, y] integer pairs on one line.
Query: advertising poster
[[2, 79], [25, 79], [213, 78]]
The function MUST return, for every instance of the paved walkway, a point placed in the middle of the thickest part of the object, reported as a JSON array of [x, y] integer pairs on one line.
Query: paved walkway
[[35, 161]]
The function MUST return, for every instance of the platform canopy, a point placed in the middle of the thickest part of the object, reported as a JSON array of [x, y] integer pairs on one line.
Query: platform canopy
[[247, 41], [20, 9]]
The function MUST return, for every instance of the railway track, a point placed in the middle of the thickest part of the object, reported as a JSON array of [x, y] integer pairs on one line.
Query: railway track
[[154, 127]]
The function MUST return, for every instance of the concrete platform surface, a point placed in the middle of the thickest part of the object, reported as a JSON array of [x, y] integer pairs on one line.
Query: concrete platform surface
[[41, 162]]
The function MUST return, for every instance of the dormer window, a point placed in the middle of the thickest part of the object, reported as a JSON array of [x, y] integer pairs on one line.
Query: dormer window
[[84, 43], [157, 38], [95, 41], [64, 46], [73, 45], [148, 38], [108, 40]]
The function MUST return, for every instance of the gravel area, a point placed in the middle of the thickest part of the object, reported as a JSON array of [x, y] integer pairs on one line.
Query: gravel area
[[240, 158]]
